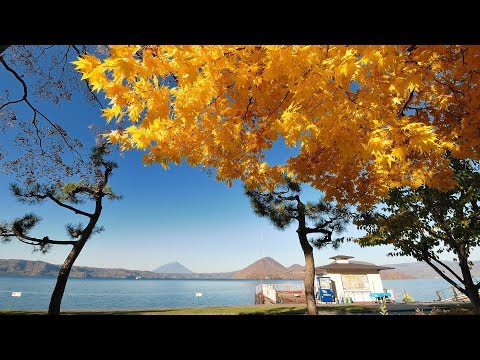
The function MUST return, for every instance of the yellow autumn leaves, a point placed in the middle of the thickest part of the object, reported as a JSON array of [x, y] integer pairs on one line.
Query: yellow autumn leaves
[[363, 118]]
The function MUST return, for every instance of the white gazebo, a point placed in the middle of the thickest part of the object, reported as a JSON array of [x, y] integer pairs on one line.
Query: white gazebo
[[356, 281]]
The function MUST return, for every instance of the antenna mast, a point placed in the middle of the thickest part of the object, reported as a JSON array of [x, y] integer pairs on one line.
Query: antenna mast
[[261, 260]]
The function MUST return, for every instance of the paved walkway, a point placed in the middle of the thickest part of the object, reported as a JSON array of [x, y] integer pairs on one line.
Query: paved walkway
[[402, 308]]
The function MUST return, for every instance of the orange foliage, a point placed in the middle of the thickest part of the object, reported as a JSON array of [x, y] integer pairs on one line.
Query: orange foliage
[[364, 118]]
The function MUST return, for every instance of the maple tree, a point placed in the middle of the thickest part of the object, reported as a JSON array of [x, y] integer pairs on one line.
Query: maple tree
[[363, 118], [426, 222], [283, 206]]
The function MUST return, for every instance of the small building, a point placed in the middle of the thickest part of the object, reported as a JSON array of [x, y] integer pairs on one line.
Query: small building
[[351, 281]]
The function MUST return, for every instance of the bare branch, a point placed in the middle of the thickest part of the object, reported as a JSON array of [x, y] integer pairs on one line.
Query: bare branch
[[65, 59], [86, 80], [37, 132], [33, 108], [25, 90], [43, 51]]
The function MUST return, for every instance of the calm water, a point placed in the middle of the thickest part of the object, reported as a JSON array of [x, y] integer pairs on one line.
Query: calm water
[[113, 293]]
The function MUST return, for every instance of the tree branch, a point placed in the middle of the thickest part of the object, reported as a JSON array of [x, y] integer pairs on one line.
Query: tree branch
[[83, 189], [325, 223], [442, 274], [318, 230], [450, 240], [450, 270], [25, 90], [215, 99], [58, 202], [452, 89], [33, 108], [86, 80], [37, 241], [432, 233], [43, 51], [459, 118], [401, 114], [281, 102], [246, 111], [412, 48], [290, 198], [348, 94], [75, 210]]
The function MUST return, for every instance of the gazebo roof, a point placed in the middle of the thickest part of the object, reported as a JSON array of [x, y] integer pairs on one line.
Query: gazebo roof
[[352, 265], [341, 257]]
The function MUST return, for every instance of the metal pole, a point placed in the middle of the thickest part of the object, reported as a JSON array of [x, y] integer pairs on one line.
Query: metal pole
[[14, 299], [455, 296], [261, 260]]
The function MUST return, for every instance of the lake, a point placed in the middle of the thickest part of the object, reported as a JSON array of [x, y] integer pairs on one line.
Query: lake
[[142, 293]]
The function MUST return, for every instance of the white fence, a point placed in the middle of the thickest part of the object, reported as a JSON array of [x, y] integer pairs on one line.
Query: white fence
[[270, 290], [280, 287]]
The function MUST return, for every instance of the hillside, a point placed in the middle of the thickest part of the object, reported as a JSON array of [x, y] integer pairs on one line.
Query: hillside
[[42, 268], [296, 267], [267, 268], [422, 270], [395, 275], [263, 268], [173, 267]]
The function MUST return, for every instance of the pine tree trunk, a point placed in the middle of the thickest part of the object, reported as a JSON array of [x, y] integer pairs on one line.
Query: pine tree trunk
[[309, 280], [57, 295]]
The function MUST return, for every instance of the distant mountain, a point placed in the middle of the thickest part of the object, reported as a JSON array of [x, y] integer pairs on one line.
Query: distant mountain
[[173, 267], [296, 267], [395, 275], [27, 267], [267, 268], [42, 268], [263, 268], [420, 269]]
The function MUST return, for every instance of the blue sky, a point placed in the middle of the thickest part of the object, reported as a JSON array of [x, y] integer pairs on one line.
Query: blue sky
[[180, 214]]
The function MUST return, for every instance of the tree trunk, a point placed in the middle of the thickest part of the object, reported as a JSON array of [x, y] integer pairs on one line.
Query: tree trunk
[[57, 295], [471, 289], [309, 275]]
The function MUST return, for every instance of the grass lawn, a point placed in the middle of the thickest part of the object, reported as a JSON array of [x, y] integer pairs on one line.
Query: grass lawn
[[221, 310], [278, 309]]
